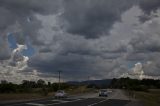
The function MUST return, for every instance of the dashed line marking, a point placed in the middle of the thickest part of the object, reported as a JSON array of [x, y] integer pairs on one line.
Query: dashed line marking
[[65, 102], [98, 102], [56, 100]]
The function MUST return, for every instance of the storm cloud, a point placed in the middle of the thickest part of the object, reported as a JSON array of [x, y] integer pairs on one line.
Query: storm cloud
[[93, 18], [5, 51], [97, 38], [22, 13]]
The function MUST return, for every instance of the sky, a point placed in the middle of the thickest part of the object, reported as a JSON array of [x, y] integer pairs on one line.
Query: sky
[[100, 39]]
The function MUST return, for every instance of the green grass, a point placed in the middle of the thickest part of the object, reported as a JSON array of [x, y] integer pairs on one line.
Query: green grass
[[151, 98]]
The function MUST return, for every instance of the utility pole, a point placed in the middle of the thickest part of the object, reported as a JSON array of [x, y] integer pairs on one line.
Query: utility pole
[[59, 81]]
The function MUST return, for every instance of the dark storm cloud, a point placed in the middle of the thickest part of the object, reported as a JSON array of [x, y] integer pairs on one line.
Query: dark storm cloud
[[23, 11], [28, 31], [5, 51], [137, 57], [89, 18], [92, 18], [111, 55], [79, 50], [149, 5], [144, 18], [27, 6], [145, 44], [6, 18], [45, 50], [71, 64], [74, 64], [21, 14]]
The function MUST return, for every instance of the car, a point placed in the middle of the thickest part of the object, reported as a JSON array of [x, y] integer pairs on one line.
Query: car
[[103, 93], [60, 94]]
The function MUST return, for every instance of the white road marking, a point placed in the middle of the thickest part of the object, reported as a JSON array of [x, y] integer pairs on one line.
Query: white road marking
[[55, 100], [98, 102], [66, 102], [62, 101], [35, 104]]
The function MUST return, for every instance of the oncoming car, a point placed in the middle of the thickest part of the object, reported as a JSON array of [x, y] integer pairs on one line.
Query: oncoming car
[[60, 94], [103, 93]]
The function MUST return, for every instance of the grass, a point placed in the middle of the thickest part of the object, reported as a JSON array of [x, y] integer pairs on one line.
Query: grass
[[38, 95], [21, 96], [80, 90], [151, 98]]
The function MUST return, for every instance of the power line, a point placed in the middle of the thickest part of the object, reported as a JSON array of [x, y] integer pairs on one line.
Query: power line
[[59, 79]]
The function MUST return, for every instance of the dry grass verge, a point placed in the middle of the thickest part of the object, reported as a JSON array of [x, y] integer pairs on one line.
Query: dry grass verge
[[151, 98], [22, 96]]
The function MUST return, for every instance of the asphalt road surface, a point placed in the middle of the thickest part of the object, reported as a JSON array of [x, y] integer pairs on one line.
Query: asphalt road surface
[[115, 98]]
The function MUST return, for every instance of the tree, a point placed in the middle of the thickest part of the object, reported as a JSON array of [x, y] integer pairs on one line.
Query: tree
[[4, 82], [40, 83], [49, 84]]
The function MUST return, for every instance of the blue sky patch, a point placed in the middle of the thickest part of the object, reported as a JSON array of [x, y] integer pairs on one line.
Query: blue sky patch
[[13, 44]]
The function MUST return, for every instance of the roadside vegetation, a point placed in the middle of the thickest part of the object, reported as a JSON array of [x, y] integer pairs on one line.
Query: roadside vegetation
[[135, 84], [29, 89], [139, 89], [146, 90], [40, 89], [150, 98]]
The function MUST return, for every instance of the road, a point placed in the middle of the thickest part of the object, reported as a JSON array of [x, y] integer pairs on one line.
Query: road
[[116, 98]]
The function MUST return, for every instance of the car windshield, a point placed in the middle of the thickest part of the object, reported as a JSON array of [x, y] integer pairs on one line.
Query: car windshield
[[103, 90]]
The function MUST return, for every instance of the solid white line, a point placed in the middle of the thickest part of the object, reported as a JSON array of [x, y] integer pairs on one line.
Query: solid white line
[[35, 104], [66, 102], [98, 102], [61, 101]]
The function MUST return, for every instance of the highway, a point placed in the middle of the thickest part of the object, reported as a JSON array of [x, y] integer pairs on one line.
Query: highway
[[115, 98]]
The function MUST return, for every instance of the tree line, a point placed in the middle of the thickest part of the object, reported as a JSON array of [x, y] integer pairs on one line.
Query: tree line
[[26, 86], [135, 84], [44, 88]]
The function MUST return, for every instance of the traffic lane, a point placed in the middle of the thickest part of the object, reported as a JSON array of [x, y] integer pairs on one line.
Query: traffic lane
[[58, 102], [78, 101], [84, 102], [18, 104], [113, 102], [55, 101]]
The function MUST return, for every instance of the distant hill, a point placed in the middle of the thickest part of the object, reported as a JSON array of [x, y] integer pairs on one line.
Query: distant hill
[[104, 82]]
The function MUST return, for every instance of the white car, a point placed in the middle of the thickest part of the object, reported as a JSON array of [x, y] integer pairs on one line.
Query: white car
[[60, 94], [103, 92]]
